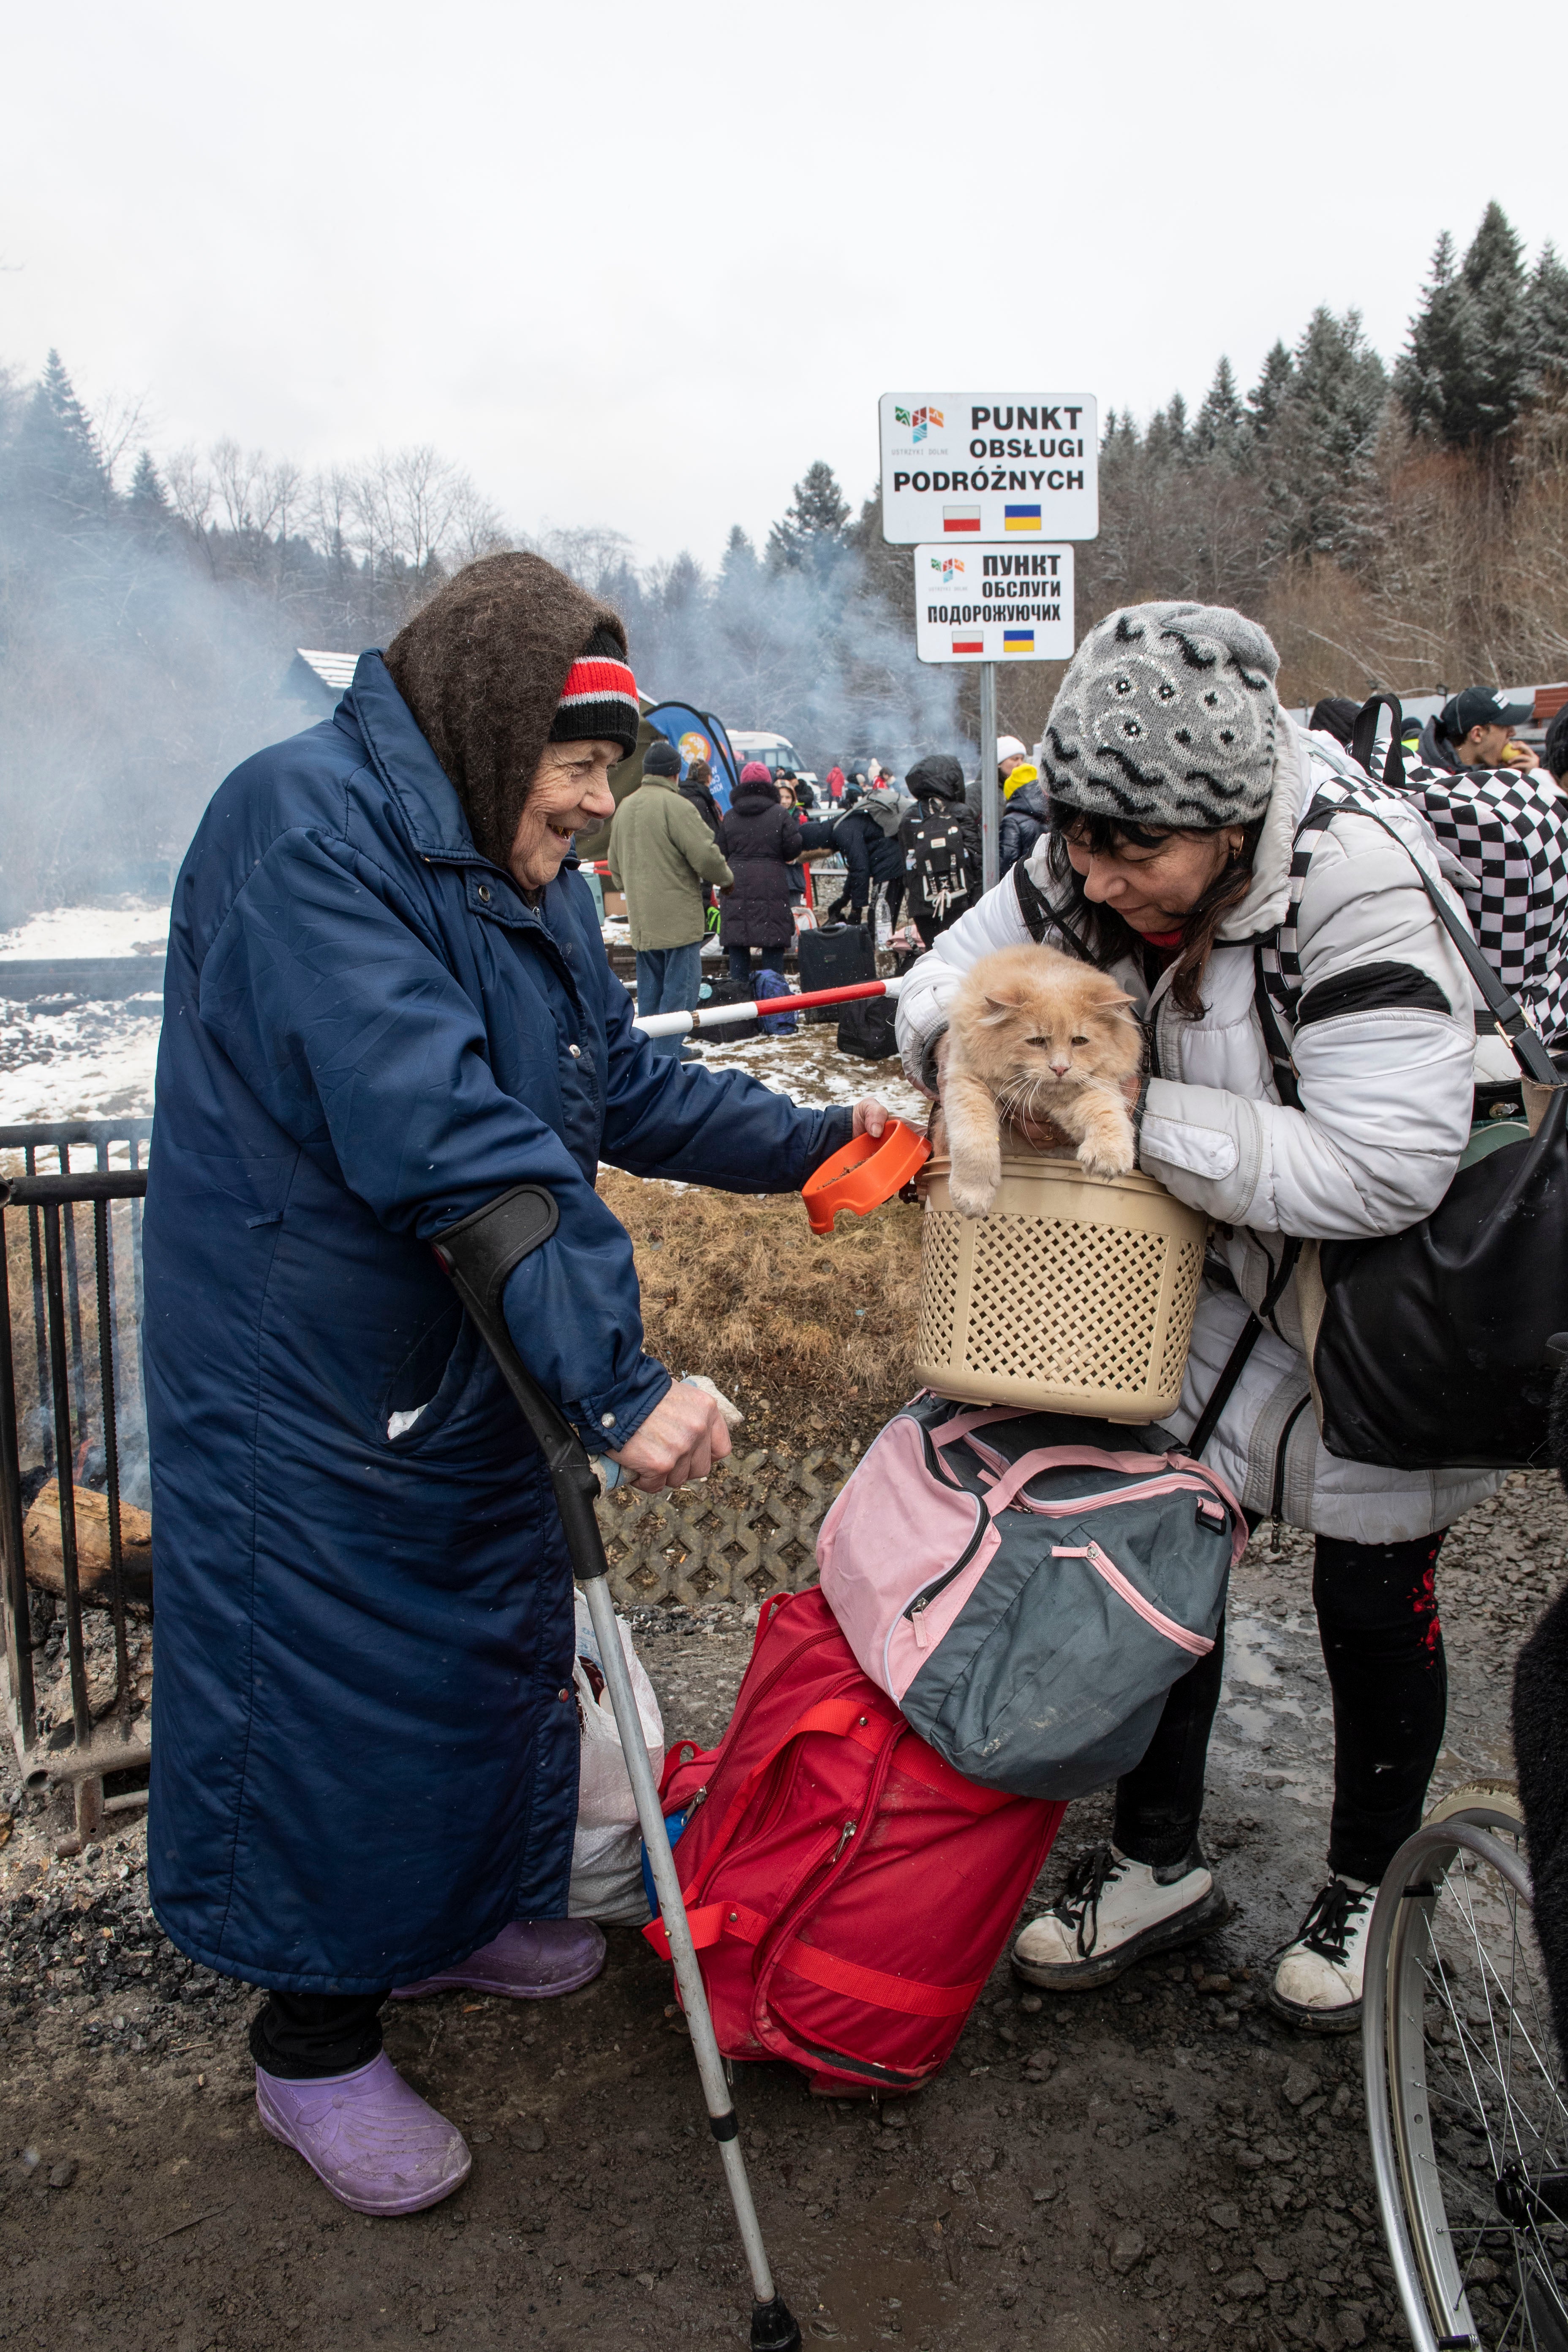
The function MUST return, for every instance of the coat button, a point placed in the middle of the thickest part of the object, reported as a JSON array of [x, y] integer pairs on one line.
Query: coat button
[[563, 1694], [607, 1421], [485, 893], [576, 1052]]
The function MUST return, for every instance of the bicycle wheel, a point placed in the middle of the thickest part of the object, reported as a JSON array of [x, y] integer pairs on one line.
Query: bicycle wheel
[[1463, 2087]]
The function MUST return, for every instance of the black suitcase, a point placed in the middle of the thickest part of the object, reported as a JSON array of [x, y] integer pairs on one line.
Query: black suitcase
[[838, 956]]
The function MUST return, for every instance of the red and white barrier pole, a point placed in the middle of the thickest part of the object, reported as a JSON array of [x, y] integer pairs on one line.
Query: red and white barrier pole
[[715, 1016]]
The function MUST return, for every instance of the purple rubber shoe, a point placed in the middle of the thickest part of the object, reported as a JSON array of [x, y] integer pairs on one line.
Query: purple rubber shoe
[[368, 2136], [531, 1960]]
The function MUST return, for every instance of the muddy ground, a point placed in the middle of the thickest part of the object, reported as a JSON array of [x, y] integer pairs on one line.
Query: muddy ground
[[1158, 2164]]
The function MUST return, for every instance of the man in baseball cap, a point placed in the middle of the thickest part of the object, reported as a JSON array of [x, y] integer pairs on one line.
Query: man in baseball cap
[[1472, 729]]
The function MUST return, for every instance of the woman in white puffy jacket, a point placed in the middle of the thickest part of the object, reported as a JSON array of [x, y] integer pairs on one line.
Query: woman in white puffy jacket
[[1178, 791]]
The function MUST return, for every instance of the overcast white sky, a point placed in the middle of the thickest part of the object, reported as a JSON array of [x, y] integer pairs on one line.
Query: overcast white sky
[[638, 265]]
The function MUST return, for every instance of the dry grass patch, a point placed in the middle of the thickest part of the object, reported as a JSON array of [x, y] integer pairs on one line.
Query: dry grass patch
[[813, 1339]]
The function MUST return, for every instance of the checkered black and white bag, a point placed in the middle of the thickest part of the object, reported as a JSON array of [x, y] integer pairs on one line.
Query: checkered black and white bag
[[1510, 837]]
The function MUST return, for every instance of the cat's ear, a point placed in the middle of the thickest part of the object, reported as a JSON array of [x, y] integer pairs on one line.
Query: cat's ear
[[1002, 1008]]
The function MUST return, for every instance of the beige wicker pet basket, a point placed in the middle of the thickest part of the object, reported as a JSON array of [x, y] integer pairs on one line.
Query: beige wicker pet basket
[[1075, 1295]]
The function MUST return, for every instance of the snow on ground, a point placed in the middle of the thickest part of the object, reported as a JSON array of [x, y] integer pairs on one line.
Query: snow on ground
[[97, 1060], [120, 927], [810, 1069], [91, 1060]]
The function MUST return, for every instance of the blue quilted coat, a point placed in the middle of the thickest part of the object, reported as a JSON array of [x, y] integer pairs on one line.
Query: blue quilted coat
[[365, 1737]]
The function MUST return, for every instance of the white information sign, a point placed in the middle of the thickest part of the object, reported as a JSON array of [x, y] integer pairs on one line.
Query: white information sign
[[998, 602], [989, 465]]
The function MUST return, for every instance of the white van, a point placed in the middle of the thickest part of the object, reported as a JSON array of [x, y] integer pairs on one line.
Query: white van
[[775, 752]]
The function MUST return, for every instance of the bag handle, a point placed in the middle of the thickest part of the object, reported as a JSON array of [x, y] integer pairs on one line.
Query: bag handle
[[1378, 749], [845, 1718]]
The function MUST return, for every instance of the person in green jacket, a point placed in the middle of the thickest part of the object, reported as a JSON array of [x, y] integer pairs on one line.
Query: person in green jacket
[[661, 855]]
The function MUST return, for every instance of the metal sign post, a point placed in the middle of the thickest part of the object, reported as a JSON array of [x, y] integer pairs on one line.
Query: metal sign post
[[990, 782]]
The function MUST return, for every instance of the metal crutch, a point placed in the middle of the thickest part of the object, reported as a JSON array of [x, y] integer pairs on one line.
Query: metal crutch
[[478, 1253]]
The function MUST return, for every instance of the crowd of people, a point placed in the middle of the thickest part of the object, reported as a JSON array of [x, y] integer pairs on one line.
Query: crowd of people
[[313, 1143]]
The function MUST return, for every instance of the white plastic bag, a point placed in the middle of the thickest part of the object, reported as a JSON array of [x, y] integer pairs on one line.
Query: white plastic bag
[[606, 1852]]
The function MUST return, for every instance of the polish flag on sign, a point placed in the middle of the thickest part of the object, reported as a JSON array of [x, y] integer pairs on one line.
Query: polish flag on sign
[[961, 518], [968, 644]]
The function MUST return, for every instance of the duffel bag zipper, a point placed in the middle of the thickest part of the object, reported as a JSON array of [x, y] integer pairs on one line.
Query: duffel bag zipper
[[1103, 1565], [933, 1591]]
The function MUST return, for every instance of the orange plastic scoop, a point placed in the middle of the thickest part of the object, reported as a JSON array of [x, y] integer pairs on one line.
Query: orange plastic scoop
[[864, 1173]]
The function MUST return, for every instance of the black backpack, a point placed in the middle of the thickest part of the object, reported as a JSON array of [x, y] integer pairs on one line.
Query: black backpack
[[867, 1030], [934, 859]]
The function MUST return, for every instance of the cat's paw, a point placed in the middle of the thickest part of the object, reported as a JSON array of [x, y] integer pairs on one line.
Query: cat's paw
[[971, 1193], [1108, 1156]]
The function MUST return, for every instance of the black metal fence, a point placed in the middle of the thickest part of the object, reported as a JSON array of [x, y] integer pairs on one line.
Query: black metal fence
[[75, 1556]]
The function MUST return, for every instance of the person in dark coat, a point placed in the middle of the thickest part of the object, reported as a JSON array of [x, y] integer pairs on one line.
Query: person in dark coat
[[697, 786], [386, 1003], [937, 783], [1026, 815], [867, 837], [759, 839]]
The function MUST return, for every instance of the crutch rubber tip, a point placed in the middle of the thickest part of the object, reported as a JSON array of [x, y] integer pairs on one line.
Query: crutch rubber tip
[[772, 2327]]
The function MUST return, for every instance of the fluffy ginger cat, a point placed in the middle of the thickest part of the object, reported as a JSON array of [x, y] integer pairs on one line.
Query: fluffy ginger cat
[[1034, 1034]]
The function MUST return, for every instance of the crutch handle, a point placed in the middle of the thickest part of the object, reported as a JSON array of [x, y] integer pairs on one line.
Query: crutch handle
[[479, 1252]]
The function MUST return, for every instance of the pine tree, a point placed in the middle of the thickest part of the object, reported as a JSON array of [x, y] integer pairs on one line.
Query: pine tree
[[1494, 273], [1546, 325], [1321, 442], [57, 455], [1217, 429], [740, 558], [1464, 375], [148, 500], [812, 530], [1165, 443], [1267, 394]]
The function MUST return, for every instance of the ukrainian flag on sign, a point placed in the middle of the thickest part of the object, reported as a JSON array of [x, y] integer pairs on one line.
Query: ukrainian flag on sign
[[1017, 641], [1022, 518]]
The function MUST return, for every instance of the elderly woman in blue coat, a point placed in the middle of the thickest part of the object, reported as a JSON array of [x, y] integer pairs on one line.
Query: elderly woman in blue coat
[[387, 1001]]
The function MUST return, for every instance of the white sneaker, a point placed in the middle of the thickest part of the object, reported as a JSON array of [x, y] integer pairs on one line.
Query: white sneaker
[[1113, 1911], [1317, 1984]]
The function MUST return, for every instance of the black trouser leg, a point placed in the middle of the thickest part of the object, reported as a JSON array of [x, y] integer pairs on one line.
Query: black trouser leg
[[1159, 1802], [1383, 1645], [298, 2035]]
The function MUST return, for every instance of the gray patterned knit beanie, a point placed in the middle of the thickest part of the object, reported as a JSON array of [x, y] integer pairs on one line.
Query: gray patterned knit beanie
[[1167, 717]]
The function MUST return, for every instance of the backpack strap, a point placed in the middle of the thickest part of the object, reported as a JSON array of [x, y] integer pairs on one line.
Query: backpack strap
[[1040, 916], [1279, 1052], [1246, 1339]]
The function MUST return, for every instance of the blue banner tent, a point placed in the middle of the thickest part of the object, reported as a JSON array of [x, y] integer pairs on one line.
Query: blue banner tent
[[697, 735]]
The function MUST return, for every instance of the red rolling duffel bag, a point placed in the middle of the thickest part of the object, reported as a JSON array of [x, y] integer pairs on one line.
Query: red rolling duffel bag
[[848, 1891]]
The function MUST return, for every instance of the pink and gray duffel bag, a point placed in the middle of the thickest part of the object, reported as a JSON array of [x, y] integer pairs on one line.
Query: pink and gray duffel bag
[[1026, 1585]]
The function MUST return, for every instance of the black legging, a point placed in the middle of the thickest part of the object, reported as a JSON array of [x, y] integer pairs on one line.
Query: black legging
[[741, 966], [300, 2036], [1383, 1646]]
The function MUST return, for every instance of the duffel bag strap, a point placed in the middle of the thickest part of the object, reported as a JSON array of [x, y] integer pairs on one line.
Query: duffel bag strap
[[908, 1995]]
